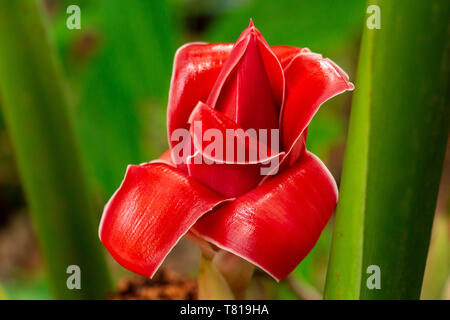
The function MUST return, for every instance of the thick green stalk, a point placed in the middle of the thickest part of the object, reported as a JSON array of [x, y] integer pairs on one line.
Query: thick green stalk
[[395, 149], [37, 114]]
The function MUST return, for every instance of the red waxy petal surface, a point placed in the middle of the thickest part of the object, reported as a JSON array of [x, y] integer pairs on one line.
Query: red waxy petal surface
[[195, 71], [230, 177], [310, 81], [276, 224], [285, 54], [153, 208]]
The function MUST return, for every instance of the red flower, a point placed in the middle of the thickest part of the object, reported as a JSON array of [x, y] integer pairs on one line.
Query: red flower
[[272, 221]]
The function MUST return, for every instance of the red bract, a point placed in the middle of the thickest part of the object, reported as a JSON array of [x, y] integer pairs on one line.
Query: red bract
[[271, 221]]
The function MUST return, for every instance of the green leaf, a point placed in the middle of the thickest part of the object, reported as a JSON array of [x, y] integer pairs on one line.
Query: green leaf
[[38, 118], [395, 149]]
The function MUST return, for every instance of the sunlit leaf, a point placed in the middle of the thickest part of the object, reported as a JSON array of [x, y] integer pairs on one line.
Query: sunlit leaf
[[397, 137]]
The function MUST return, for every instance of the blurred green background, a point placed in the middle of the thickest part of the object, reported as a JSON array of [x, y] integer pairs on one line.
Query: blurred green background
[[118, 69]]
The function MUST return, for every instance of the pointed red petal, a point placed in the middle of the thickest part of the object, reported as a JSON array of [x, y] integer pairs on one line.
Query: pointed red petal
[[220, 165], [275, 225], [153, 208], [250, 87], [310, 81], [195, 71]]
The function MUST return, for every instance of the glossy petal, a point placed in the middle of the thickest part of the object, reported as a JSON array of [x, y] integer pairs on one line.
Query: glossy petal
[[195, 70], [310, 81], [228, 168], [153, 208], [275, 225], [250, 86]]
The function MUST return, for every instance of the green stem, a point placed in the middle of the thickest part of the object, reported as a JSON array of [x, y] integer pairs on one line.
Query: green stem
[[37, 114], [224, 276], [395, 149], [236, 271], [211, 283]]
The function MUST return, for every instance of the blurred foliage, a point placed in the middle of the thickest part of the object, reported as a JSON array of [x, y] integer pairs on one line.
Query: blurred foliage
[[313, 268], [38, 117], [323, 26], [28, 287], [120, 67], [326, 131]]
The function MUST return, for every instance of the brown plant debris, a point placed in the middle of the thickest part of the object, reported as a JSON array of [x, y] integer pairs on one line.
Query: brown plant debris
[[165, 285]]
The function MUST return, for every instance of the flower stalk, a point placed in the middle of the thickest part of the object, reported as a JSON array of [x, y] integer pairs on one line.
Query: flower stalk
[[236, 271], [211, 283], [218, 266]]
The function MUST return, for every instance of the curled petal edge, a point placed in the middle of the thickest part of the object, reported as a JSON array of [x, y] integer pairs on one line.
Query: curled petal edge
[[311, 80], [154, 207]]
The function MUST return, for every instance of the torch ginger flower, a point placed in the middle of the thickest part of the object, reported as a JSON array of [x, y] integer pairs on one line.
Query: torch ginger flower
[[272, 221]]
